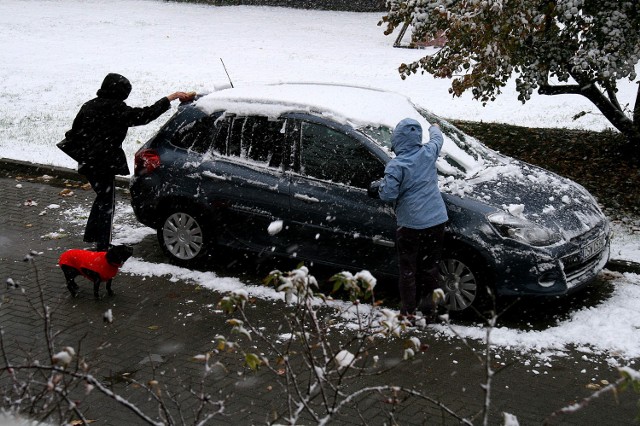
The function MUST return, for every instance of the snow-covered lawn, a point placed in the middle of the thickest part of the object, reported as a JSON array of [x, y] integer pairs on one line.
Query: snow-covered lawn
[[55, 55]]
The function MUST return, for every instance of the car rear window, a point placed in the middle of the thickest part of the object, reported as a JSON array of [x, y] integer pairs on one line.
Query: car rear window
[[196, 135], [191, 129]]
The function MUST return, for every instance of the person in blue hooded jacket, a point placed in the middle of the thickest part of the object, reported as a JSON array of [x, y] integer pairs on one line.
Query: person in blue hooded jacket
[[411, 183]]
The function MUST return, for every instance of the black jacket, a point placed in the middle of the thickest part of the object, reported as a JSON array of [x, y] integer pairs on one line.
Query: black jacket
[[102, 124]]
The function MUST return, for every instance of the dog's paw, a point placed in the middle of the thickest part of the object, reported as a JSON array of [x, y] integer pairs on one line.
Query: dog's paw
[[97, 297], [110, 292], [74, 290]]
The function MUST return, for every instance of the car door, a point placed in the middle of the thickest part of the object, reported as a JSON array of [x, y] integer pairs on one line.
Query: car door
[[243, 176], [330, 209]]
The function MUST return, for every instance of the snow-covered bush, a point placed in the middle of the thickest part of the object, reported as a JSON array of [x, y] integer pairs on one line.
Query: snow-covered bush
[[317, 364]]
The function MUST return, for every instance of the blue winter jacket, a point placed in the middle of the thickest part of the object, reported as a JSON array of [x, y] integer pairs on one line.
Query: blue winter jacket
[[411, 180]]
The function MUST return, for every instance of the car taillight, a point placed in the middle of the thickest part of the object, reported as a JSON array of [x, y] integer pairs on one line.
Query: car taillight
[[146, 161]]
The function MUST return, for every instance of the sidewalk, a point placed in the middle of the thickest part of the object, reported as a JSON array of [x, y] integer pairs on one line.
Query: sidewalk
[[159, 325]]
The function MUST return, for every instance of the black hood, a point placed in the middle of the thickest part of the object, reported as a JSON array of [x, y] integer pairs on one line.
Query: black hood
[[115, 87]]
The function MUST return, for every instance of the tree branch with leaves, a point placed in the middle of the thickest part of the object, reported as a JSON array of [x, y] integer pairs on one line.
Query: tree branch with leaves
[[582, 47]]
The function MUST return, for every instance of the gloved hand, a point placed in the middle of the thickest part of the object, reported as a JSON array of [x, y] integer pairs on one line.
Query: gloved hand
[[372, 191]]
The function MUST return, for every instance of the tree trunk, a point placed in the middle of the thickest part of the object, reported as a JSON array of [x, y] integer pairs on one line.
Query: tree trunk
[[629, 127]]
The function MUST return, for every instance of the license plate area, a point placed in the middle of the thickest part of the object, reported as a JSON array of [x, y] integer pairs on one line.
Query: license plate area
[[593, 247]]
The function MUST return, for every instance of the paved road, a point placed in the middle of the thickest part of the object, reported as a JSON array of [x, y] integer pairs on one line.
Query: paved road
[[160, 324]]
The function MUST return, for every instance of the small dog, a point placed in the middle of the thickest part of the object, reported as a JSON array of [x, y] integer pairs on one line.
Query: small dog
[[97, 266]]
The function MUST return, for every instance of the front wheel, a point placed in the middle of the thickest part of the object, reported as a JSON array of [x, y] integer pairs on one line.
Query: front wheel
[[182, 238], [460, 283]]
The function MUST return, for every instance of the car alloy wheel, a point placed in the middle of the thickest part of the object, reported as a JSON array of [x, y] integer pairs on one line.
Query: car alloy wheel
[[459, 283], [182, 236]]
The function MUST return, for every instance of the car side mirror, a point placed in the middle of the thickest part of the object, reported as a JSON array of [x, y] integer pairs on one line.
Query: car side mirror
[[372, 191]]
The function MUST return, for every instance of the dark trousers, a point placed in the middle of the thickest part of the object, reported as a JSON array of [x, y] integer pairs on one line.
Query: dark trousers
[[419, 251], [98, 229]]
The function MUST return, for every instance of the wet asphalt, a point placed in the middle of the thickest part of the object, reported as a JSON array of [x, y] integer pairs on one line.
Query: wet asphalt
[[160, 323]]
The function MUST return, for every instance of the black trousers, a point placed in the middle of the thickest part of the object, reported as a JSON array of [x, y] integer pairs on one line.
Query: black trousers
[[99, 224], [419, 251]]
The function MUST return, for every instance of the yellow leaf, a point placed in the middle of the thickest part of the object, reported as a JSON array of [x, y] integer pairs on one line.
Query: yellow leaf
[[253, 361], [153, 327]]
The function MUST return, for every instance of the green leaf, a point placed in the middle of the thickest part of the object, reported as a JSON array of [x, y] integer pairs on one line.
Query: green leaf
[[252, 361]]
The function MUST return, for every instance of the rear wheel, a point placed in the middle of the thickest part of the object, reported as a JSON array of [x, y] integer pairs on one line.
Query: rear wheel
[[460, 282], [182, 237]]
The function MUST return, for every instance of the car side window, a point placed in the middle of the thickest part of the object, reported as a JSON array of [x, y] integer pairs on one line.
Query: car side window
[[221, 136], [331, 155], [252, 138]]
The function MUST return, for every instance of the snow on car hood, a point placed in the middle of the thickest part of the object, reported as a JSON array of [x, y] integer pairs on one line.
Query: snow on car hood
[[521, 189], [539, 196], [467, 167]]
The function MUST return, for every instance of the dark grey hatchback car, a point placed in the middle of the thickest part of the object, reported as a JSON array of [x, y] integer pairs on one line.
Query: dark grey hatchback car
[[285, 168]]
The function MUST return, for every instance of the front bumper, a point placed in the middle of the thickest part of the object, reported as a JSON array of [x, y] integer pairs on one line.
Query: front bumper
[[556, 272]]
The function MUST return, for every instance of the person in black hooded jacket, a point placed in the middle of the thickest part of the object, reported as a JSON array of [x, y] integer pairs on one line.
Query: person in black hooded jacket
[[100, 128]]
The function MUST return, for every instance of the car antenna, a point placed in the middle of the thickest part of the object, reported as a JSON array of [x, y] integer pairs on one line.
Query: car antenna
[[225, 70]]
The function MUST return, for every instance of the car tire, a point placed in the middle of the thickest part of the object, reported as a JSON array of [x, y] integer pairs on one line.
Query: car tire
[[183, 237], [461, 281]]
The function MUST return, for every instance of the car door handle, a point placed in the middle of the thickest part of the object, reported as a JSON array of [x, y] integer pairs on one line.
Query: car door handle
[[306, 198], [383, 242], [215, 176]]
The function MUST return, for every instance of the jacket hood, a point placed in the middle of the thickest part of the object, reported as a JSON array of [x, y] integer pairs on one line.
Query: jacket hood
[[115, 86], [406, 137]]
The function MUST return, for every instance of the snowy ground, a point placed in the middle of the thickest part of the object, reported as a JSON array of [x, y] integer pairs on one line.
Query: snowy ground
[[55, 55], [610, 329]]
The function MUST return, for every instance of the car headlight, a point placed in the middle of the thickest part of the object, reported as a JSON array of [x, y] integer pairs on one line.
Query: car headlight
[[510, 226]]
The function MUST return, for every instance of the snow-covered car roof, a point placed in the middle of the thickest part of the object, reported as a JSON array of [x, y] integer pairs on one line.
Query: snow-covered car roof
[[357, 106]]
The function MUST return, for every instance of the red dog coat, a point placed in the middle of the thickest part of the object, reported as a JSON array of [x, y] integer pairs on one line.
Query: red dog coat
[[95, 261]]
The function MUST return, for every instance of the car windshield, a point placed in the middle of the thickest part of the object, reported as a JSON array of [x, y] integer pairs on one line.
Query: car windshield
[[464, 158]]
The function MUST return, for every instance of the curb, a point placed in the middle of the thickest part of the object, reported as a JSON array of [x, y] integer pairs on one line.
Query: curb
[[18, 166], [24, 167]]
